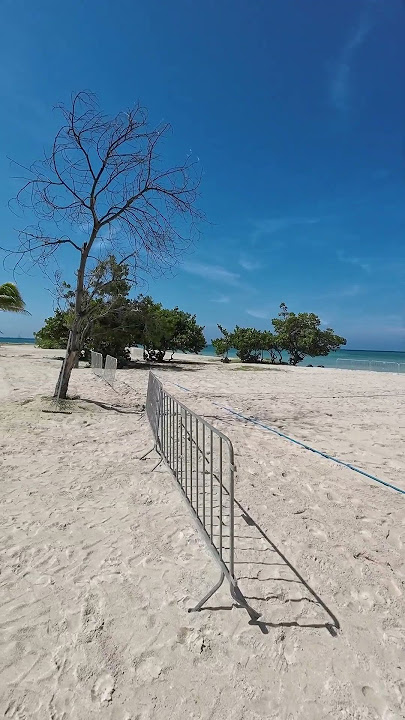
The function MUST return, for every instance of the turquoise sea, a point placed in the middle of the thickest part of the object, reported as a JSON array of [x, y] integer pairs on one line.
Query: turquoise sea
[[384, 360], [17, 341]]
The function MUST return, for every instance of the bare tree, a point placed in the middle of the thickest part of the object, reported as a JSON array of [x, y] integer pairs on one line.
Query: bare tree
[[105, 172]]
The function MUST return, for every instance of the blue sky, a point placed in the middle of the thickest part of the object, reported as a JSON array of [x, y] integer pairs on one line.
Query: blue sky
[[296, 110]]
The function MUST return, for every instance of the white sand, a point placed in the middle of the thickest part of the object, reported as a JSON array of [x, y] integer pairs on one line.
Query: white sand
[[100, 560]]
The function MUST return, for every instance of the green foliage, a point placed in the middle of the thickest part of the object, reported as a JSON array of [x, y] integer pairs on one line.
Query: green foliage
[[108, 322], [250, 344], [111, 330], [300, 335], [187, 335], [270, 343], [112, 322], [165, 330], [10, 299], [55, 332], [224, 344]]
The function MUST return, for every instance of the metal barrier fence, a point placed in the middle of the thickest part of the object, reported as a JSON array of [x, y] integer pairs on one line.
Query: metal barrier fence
[[201, 459], [110, 368], [375, 365], [96, 363], [153, 406]]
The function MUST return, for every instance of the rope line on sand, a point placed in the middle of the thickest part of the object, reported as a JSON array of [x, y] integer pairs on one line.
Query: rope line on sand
[[301, 444]]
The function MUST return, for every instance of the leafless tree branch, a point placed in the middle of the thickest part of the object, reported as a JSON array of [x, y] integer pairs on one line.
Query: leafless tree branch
[[102, 172]]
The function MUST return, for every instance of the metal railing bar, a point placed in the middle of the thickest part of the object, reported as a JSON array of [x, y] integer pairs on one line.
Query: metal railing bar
[[196, 468], [195, 465], [220, 496], [203, 472], [191, 459], [211, 482]]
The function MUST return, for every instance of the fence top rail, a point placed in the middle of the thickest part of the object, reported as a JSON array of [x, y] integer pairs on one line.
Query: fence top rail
[[380, 362], [195, 415]]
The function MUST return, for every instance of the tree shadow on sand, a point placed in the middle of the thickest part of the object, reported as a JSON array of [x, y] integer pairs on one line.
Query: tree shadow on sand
[[177, 365]]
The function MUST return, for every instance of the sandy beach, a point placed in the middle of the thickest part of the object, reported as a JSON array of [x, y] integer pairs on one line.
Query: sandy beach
[[100, 561]]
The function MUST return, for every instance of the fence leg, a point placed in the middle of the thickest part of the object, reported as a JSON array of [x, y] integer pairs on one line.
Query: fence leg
[[241, 600], [143, 457], [208, 595], [148, 453], [157, 464], [236, 595]]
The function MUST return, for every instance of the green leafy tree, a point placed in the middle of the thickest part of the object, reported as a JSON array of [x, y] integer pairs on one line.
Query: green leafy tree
[[248, 344], [270, 343], [109, 319], [223, 344], [188, 336], [10, 299], [300, 335], [55, 331], [165, 330]]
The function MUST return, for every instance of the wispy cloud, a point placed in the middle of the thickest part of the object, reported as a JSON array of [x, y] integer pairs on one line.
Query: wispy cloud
[[359, 262], [377, 325], [270, 226], [221, 299], [348, 291], [248, 263], [340, 84], [214, 273], [259, 313]]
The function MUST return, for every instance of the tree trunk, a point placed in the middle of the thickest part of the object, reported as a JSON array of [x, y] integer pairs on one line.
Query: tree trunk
[[74, 348], [65, 373]]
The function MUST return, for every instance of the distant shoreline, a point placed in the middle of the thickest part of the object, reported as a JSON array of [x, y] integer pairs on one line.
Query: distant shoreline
[[17, 341], [31, 341]]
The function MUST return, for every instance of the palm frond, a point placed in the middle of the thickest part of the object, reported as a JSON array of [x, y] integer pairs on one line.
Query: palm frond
[[11, 300]]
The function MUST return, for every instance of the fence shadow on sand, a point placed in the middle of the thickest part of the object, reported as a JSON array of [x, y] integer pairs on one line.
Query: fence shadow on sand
[[269, 578]]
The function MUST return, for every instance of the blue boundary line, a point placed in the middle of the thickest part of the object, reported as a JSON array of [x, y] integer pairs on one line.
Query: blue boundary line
[[301, 444]]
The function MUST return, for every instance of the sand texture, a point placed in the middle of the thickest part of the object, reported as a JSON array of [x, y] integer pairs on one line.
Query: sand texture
[[100, 561]]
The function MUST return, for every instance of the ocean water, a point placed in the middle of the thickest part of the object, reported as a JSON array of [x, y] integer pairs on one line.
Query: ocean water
[[17, 341], [383, 360]]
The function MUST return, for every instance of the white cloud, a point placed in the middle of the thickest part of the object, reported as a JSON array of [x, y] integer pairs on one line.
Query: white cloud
[[270, 226], [343, 292], [221, 299], [212, 272], [350, 291], [354, 261], [249, 264], [262, 314], [340, 85]]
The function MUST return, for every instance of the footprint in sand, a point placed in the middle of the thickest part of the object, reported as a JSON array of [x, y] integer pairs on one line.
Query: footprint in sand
[[374, 700], [103, 689], [148, 670], [16, 711], [92, 620]]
